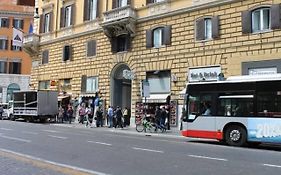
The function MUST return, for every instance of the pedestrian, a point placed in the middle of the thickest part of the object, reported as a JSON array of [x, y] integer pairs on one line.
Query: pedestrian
[[119, 117], [126, 117], [96, 104], [87, 116], [99, 122], [110, 116], [157, 116], [69, 113], [163, 117], [82, 113], [1, 111]]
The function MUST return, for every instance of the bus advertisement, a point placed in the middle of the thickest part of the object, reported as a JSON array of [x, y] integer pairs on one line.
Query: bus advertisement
[[238, 110]]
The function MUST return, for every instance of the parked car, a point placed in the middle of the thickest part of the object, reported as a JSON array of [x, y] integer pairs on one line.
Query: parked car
[[7, 110]]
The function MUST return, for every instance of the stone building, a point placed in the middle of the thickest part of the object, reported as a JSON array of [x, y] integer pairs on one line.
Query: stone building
[[15, 64], [112, 46]]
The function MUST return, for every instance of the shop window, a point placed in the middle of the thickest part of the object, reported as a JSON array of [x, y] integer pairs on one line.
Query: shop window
[[158, 37], [15, 67], [3, 67], [67, 16], [92, 84], [67, 52], [269, 104], [159, 82], [120, 3], [207, 28], [43, 85], [261, 19], [91, 9], [3, 44], [4, 22], [18, 23], [91, 48], [45, 57]]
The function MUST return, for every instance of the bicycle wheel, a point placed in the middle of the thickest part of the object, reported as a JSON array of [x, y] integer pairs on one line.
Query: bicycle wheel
[[140, 127]]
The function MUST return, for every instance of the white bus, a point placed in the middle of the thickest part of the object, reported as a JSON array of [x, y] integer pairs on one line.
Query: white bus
[[238, 110]]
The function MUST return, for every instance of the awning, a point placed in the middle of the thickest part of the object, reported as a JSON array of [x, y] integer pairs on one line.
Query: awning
[[156, 98], [62, 97]]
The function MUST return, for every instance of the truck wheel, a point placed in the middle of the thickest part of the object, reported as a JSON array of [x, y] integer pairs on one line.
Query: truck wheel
[[235, 135], [12, 117]]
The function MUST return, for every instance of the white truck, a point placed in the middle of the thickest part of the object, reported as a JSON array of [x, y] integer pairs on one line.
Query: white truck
[[35, 105]]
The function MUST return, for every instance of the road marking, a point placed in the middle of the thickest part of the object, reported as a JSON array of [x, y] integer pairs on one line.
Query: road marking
[[101, 143], [14, 138], [270, 165], [52, 131], [43, 163], [58, 137], [27, 132], [6, 129], [210, 158], [150, 150]]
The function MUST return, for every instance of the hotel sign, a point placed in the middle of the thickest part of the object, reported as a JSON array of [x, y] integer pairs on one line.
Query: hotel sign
[[204, 73]]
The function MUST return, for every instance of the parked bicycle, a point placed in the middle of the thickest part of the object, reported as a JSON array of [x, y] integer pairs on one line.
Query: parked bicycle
[[147, 126]]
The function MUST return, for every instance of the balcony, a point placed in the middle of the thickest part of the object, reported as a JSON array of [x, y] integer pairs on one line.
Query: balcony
[[31, 43], [119, 21]]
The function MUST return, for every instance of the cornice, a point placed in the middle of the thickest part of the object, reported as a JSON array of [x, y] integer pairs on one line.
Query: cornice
[[186, 10], [12, 14]]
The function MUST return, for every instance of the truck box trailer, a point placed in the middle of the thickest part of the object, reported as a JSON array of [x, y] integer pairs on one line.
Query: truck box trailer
[[35, 105]]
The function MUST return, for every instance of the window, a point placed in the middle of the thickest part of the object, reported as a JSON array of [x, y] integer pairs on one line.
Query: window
[[159, 82], [261, 20], [159, 36], [153, 1], [121, 43], [3, 66], [92, 84], [269, 104], [65, 85], [47, 23], [90, 9], [207, 28], [15, 48], [67, 16], [18, 23], [120, 3], [44, 85], [3, 44], [45, 56], [67, 51], [4, 22], [91, 48], [199, 105], [15, 67]]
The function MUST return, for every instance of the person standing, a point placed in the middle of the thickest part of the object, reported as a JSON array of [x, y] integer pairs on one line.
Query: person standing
[[1, 111], [69, 113], [163, 117], [82, 112], [157, 116], [87, 116], [99, 122], [110, 116], [126, 117], [96, 104], [119, 117]]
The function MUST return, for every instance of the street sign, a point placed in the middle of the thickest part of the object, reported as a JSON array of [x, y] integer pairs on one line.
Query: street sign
[[145, 88]]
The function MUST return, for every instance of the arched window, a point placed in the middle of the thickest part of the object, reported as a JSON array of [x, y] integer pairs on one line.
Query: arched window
[[261, 19]]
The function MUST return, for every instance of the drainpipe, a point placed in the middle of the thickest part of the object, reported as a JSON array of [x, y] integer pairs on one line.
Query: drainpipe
[[57, 14]]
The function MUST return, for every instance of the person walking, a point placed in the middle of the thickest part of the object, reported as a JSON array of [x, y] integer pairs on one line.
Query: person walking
[[119, 116], [157, 117], [163, 117], [82, 113], [126, 117], [87, 116], [110, 116], [99, 122], [96, 104], [69, 113]]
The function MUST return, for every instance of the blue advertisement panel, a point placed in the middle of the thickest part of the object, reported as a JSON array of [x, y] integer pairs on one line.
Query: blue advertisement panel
[[264, 130]]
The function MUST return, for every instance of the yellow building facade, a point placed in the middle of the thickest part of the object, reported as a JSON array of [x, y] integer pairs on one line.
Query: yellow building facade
[[111, 46]]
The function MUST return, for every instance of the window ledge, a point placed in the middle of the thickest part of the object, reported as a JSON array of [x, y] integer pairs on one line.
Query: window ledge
[[162, 46], [122, 52], [157, 3], [262, 31]]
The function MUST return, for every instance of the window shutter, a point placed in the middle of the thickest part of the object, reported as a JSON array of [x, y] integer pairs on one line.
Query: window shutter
[[73, 11], [91, 48], [21, 24], [70, 52], [97, 8], [45, 57], [114, 4], [13, 22], [128, 2], [94, 47], [148, 1], [275, 16], [5, 67], [113, 41], [148, 38], [51, 21], [167, 35], [215, 27], [41, 26], [246, 22], [200, 29], [67, 51], [86, 10], [8, 22], [62, 17], [6, 44], [84, 83], [10, 67], [128, 43]]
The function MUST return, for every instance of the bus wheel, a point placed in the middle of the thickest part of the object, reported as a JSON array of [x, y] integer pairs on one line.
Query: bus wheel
[[235, 135]]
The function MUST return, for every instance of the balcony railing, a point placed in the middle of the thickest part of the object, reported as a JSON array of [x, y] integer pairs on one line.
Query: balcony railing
[[119, 13], [31, 43]]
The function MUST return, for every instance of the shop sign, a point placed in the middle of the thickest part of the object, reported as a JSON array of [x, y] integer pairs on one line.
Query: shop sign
[[145, 88], [263, 71], [204, 73]]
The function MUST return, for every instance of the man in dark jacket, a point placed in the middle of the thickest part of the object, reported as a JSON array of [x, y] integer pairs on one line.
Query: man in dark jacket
[[119, 116]]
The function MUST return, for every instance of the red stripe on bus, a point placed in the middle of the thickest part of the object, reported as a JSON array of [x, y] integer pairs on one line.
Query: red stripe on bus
[[203, 134]]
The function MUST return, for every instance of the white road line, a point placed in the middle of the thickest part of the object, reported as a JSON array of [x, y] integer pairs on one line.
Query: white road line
[[270, 165], [58, 137], [6, 129], [52, 131], [150, 150], [101, 143], [14, 138], [210, 158], [27, 132], [54, 163]]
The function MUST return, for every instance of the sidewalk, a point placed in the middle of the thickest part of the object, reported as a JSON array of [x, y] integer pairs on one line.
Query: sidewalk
[[174, 132]]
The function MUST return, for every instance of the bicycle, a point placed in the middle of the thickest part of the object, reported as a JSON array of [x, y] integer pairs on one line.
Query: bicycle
[[146, 125]]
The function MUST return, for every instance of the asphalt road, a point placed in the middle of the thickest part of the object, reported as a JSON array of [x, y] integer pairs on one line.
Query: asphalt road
[[99, 151]]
